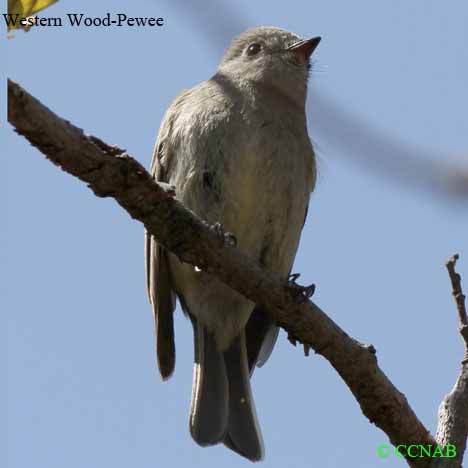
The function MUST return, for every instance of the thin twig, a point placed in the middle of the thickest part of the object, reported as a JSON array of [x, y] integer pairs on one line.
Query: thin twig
[[452, 428], [459, 297]]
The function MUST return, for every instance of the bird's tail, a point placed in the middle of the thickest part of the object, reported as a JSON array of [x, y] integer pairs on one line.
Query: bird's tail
[[222, 408], [209, 408], [243, 433]]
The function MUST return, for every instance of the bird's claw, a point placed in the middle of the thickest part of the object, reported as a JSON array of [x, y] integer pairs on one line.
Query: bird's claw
[[225, 238], [293, 277], [308, 291], [301, 293]]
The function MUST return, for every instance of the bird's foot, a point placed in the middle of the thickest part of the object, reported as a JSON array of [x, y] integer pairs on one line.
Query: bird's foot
[[225, 238], [300, 293], [168, 188]]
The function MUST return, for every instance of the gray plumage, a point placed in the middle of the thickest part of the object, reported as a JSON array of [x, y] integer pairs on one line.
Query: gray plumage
[[237, 151]]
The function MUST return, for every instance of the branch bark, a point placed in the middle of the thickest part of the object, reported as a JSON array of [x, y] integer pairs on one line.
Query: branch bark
[[110, 171], [452, 425]]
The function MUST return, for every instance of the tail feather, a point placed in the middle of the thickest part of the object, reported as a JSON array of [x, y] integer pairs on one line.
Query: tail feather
[[243, 433], [209, 407]]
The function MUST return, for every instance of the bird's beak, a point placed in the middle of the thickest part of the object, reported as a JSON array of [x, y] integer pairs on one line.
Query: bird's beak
[[304, 49]]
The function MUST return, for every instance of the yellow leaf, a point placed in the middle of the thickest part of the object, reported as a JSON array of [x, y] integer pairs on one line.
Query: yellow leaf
[[24, 9]]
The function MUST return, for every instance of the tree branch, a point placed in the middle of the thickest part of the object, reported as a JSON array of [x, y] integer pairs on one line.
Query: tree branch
[[110, 171], [452, 427]]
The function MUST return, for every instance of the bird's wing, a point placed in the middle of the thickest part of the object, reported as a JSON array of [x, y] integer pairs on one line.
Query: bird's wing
[[261, 333], [158, 278]]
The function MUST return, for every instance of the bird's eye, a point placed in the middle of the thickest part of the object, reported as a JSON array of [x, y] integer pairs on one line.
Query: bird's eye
[[254, 49]]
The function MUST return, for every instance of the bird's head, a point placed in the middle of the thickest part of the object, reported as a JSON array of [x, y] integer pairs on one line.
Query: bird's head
[[270, 57]]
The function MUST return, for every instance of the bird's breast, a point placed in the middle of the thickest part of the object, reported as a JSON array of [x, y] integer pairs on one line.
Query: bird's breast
[[267, 186]]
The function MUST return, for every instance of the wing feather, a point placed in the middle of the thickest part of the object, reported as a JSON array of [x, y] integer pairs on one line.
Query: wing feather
[[158, 278]]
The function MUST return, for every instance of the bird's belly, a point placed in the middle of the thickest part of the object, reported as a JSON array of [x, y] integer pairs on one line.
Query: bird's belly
[[261, 198], [265, 207]]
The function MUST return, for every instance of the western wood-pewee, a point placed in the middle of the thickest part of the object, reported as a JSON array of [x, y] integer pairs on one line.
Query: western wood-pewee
[[237, 151]]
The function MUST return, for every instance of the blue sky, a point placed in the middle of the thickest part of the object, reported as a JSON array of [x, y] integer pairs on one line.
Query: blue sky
[[83, 388]]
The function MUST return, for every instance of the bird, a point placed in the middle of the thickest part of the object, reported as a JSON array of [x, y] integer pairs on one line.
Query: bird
[[236, 151]]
